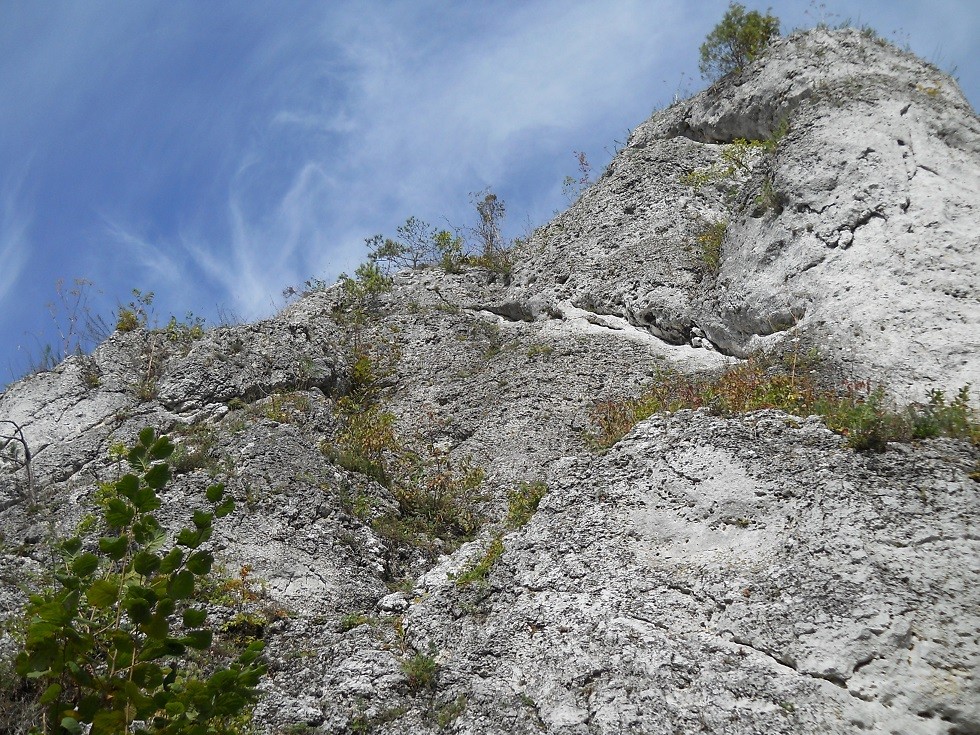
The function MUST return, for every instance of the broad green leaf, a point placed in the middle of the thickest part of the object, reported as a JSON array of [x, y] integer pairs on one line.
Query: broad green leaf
[[102, 594], [175, 708], [221, 679], [152, 651], [72, 545], [55, 612], [194, 617], [122, 647], [114, 546], [145, 563], [128, 485], [148, 675], [200, 562], [157, 627], [225, 508], [50, 694], [203, 519], [199, 639], [138, 609], [108, 722], [88, 706], [157, 476], [118, 513], [137, 457], [146, 499], [137, 697], [174, 647], [37, 658], [215, 493], [85, 564], [146, 529], [171, 561], [251, 653], [71, 725], [162, 448], [147, 436], [68, 581], [166, 607], [189, 538], [157, 537], [181, 585]]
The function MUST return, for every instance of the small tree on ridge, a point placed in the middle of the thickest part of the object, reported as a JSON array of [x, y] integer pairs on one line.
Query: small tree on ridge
[[737, 40]]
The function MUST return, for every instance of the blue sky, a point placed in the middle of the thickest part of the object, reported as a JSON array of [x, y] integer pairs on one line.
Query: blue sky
[[216, 152]]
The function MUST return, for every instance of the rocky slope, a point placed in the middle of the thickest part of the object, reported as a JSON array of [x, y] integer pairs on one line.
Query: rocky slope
[[871, 179], [706, 574]]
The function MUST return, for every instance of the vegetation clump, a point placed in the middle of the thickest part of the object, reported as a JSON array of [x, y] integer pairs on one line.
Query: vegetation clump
[[710, 239], [522, 503], [739, 39], [109, 640], [858, 411], [438, 498], [479, 570], [421, 671]]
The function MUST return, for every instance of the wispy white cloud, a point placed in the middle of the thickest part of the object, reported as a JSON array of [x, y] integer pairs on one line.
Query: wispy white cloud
[[267, 251], [14, 249], [136, 249], [15, 245], [243, 149]]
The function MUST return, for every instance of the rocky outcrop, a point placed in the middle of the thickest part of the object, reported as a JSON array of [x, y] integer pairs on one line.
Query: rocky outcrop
[[747, 574], [857, 228]]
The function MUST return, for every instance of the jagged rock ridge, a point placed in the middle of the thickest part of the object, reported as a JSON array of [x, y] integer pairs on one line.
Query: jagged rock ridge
[[706, 574]]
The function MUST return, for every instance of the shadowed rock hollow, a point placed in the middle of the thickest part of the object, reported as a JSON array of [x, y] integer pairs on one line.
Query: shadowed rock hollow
[[705, 574]]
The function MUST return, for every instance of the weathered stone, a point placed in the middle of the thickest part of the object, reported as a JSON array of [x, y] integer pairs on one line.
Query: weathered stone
[[747, 574]]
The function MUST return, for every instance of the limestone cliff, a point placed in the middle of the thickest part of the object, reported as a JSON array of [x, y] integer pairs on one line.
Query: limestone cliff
[[706, 574]]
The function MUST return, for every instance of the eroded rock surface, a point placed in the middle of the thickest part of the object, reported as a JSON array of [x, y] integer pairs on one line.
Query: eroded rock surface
[[857, 228], [730, 575]]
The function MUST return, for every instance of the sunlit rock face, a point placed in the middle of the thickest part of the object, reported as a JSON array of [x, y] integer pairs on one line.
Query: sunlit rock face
[[704, 574], [855, 224]]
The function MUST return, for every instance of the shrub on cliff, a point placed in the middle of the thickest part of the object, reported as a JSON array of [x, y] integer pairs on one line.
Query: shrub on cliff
[[110, 642], [738, 39]]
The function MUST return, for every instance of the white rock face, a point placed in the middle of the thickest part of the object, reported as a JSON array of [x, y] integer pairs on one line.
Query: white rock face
[[870, 245], [740, 576], [706, 574]]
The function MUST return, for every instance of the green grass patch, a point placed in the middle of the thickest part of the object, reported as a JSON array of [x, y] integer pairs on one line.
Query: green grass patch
[[858, 411]]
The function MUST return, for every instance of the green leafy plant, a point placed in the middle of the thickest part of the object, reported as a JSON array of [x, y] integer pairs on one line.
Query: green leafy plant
[[493, 252], [414, 247], [186, 330], [447, 713], [711, 239], [522, 502], [421, 671], [108, 641], [437, 497], [479, 570], [941, 418], [354, 620], [736, 41], [361, 295], [736, 159], [137, 313], [449, 248], [769, 198]]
